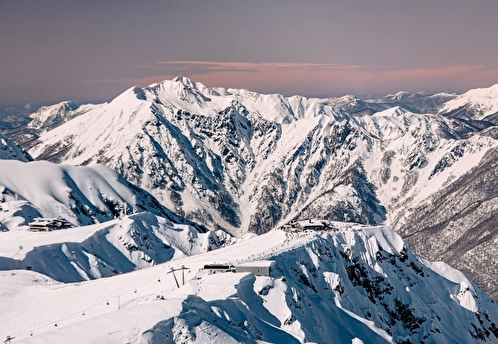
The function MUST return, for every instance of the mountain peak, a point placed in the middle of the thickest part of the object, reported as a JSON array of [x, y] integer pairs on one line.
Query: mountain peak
[[182, 79], [190, 84], [47, 117], [395, 111], [66, 105], [443, 95], [402, 95]]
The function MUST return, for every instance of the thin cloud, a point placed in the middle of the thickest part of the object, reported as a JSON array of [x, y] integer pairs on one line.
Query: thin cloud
[[313, 78], [252, 66], [105, 81]]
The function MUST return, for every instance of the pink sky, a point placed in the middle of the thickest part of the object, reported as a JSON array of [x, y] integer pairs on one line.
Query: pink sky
[[290, 78], [332, 79]]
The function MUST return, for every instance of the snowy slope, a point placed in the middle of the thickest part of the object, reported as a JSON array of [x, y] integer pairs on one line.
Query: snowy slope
[[359, 284], [10, 150], [117, 246], [478, 104], [460, 221], [82, 195]]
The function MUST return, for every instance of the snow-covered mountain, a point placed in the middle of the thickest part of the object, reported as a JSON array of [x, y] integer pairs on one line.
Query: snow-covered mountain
[[222, 151], [415, 102], [52, 116], [190, 145], [82, 195], [26, 129], [352, 284], [241, 161], [352, 105], [459, 223], [476, 104]]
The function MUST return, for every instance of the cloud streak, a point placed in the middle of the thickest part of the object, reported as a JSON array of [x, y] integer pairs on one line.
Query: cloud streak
[[251, 66], [314, 78]]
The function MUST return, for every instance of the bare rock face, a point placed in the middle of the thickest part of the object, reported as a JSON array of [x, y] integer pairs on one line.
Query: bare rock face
[[457, 225]]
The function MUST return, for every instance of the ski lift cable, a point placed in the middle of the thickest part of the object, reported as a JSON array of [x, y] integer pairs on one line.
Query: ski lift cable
[[78, 312]]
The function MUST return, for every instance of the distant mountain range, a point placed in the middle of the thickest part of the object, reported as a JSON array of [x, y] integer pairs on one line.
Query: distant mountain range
[[246, 162]]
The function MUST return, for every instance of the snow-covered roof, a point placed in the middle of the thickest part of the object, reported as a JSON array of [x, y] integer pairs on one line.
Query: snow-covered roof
[[56, 222], [259, 263], [42, 222], [311, 222]]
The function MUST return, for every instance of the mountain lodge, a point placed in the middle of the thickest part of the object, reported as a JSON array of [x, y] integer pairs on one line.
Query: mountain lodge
[[47, 225]]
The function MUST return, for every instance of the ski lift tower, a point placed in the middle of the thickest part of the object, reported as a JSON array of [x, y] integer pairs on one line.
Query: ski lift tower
[[182, 268]]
